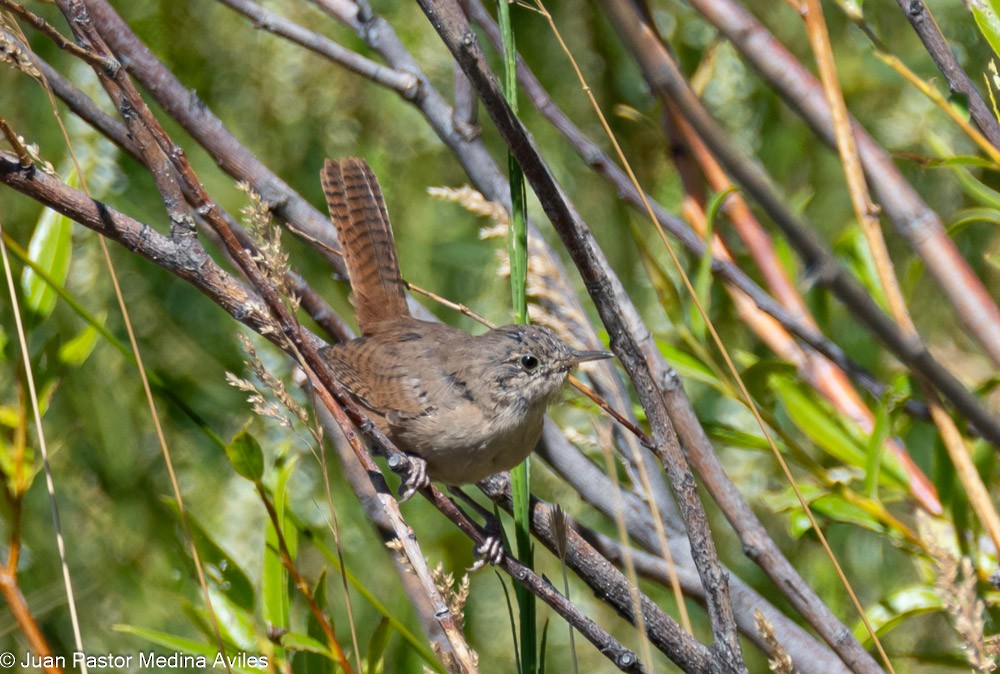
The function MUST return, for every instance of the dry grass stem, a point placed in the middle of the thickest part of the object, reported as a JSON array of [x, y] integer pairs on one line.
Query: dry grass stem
[[473, 201], [779, 661], [270, 256], [454, 595], [12, 53], [955, 580], [258, 401]]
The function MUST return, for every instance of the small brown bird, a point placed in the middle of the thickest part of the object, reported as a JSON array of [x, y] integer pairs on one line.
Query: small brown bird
[[469, 406]]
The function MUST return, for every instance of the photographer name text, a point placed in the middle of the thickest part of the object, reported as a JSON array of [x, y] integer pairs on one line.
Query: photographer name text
[[148, 660]]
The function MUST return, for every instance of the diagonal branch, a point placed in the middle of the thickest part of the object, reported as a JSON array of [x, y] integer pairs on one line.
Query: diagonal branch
[[452, 26], [920, 17]]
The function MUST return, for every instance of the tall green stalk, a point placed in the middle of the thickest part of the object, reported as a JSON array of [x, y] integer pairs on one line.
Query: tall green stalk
[[518, 250]]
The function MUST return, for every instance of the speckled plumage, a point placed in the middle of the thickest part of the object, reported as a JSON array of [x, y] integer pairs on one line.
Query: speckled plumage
[[470, 406]]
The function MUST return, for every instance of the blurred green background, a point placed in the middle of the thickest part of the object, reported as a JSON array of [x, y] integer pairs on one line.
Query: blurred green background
[[291, 108]]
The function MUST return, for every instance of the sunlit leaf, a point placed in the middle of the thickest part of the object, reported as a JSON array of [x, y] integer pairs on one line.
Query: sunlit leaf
[[51, 248], [903, 604], [246, 456], [815, 420], [297, 641], [377, 644], [76, 351], [221, 568], [988, 20], [274, 582], [687, 366]]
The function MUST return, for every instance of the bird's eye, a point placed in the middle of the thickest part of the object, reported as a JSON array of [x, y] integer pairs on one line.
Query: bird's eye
[[529, 362]]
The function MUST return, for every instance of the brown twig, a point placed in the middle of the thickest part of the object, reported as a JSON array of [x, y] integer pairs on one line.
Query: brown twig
[[57, 38], [16, 144], [300, 583]]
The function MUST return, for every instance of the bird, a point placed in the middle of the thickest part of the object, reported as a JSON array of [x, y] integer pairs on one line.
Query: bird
[[467, 406]]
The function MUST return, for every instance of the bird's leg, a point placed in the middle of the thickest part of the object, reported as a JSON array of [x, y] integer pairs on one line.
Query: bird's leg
[[413, 470], [491, 550]]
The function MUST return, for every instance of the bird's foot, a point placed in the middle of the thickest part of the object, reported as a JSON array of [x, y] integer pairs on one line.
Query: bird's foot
[[414, 472], [491, 550]]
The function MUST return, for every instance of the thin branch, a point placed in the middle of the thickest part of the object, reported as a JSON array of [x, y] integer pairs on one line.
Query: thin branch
[[16, 144], [403, 83], [920, 17], [57, 38]]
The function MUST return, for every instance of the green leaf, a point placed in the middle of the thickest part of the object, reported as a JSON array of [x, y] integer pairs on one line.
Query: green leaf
[[985, 14], [176, 644], [663, 285], [824, 505], [246, 456], [862, 263], [970, 216], [875, 450], [688, 366], [907, 602], [960, 101], [274, 581], [733, 437], [227, 575], [167, 640], [542, 647], [377, 645], [76, 351], [9, 416], [972, 186], [820, 425], [51, 248], [236, 626], [297, 641], [703, 273]]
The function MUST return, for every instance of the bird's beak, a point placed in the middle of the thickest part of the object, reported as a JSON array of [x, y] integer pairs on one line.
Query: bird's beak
[[578, 357]]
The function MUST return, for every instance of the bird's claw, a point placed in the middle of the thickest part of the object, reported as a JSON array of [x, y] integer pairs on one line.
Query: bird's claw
[[490, 551], [415, 477]]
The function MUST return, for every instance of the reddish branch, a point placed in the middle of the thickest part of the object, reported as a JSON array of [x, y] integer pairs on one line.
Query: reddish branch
[[668, 83], [913, 218]]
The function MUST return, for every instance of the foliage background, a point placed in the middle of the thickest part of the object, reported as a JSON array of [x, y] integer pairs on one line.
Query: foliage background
[[293, 109]]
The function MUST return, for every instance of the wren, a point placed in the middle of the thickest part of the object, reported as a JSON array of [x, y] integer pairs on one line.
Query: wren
[[468, 405]]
